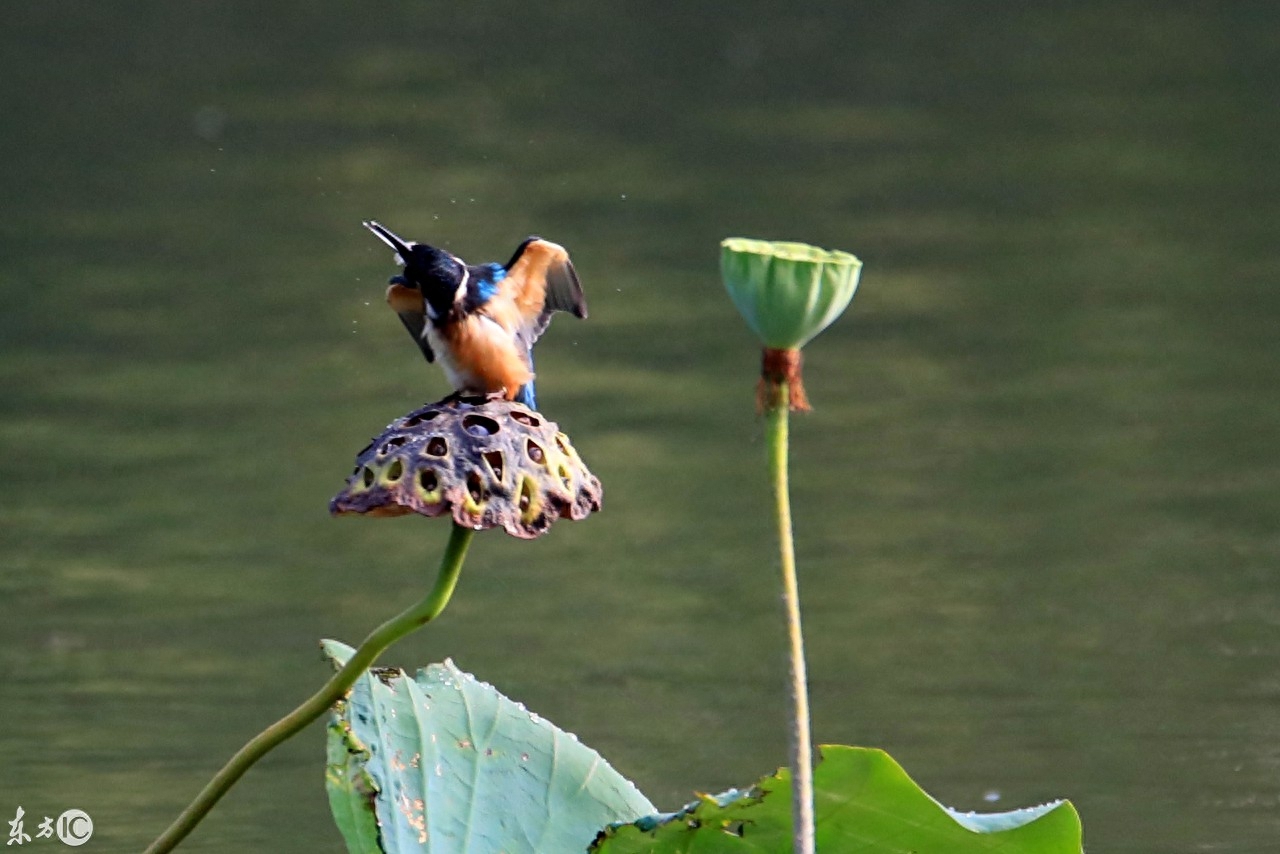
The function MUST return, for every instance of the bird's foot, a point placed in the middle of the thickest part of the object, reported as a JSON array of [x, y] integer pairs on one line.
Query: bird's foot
[[474, 398]]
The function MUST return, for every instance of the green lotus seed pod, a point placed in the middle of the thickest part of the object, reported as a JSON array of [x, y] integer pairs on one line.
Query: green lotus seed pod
[[788, 292]]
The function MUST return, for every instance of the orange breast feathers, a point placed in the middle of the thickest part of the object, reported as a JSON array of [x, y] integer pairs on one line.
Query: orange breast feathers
[[485, 355], [406, 300]]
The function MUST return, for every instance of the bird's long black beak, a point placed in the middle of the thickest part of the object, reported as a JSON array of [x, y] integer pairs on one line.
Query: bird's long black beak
[[389, 238]]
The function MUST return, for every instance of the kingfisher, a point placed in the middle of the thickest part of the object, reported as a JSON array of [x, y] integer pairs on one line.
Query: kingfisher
[[481, 321]]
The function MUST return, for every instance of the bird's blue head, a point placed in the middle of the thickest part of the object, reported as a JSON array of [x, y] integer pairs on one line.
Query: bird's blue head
[[434, 272], [428, 267]]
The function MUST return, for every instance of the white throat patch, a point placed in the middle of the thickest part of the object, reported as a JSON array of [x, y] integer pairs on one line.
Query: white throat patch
[[461, 292]]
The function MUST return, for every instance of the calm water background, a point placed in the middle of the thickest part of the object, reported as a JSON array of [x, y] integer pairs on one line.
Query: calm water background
[[1037, 501]]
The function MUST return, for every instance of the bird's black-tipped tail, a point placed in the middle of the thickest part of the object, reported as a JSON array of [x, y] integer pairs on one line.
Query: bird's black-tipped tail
[[388, 237]]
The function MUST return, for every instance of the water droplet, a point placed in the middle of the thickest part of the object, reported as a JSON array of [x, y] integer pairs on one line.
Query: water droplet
[[991, 796]]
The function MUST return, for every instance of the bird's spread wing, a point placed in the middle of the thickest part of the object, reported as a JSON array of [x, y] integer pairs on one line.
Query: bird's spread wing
[[540, 280], [408, 303]]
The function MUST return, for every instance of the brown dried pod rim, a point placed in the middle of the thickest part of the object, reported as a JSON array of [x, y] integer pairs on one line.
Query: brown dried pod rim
[[487, 462]]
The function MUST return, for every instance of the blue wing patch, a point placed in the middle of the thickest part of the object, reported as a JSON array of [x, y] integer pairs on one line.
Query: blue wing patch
[[484, 281]]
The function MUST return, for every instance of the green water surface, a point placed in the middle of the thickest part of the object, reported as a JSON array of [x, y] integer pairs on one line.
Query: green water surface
[[1036, 502]]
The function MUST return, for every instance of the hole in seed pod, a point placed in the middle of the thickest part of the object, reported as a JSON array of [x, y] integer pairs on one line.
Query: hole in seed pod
[[367, 476], [395, 471], [534, 450], [421, 417], [480, 425], [427, 480], [494, 459], [438, 447], [526, 495], [564, 477], [391, 444], [474, 487], [526, 419], [562, 445]]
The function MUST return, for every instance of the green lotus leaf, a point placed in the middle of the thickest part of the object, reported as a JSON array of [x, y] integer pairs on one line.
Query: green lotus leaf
[[443, 763], [864, 803]]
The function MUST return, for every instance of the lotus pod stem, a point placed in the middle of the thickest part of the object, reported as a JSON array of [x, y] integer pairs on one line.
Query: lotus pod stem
[[334, 690], [782, 381]]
